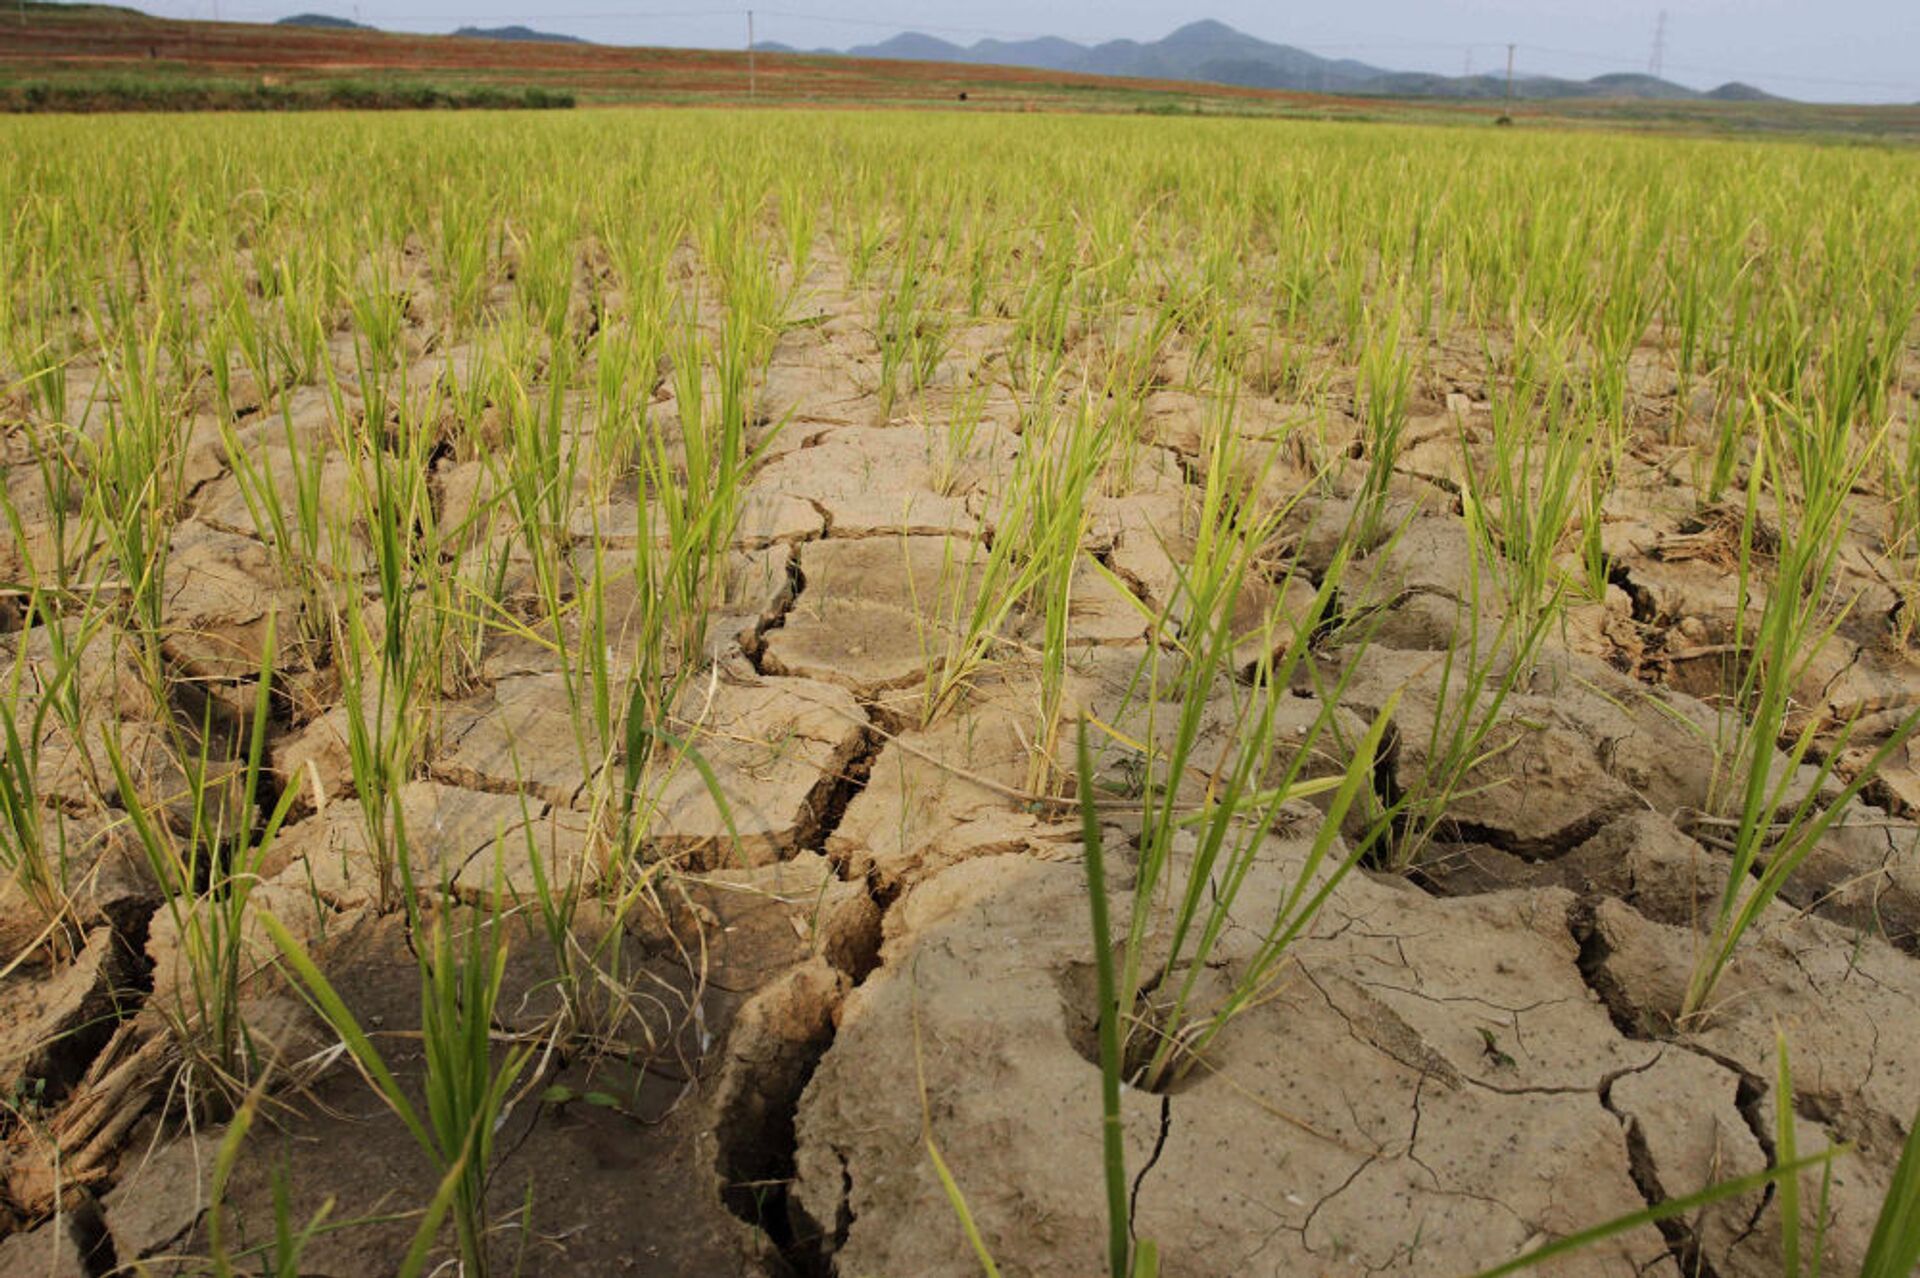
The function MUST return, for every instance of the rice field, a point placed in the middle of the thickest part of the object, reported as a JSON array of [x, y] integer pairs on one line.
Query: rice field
[[882, 694]]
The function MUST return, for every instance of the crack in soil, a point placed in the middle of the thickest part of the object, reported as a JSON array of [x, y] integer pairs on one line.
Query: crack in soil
[[1639, 597], [1750, 1095], [1682, 1242], [1140, 1178], [796, 583], [86, 1225], [1583, 925], [758, 1140], [836, 791], [758, 1137], [1551, 847], [1749, 1098], [756, 1159]]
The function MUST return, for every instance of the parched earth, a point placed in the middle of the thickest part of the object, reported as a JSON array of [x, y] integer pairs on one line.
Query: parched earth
[[890, 945]]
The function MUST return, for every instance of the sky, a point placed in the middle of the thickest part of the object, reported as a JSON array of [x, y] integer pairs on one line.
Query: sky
[[1815, 50]]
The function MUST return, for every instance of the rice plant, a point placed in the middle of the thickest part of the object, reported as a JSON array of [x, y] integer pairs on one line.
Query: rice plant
[[1228, 805], [1534, 485], [1386, 374], [1779, 816], [468, 1087], [33, 854], [207, 877]]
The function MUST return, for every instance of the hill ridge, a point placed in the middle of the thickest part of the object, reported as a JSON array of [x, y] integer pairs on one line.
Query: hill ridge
[[1211, 51]]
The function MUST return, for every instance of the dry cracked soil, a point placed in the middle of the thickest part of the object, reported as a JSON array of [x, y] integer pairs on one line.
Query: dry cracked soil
[[883, 940]]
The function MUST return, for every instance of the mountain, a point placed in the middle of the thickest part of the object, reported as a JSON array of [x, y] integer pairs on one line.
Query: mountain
[[1049, 53], [1633, 84], [1205, 50], [911, 46], [1734, 91], [518, 33], [323, 20], [1216, 53]]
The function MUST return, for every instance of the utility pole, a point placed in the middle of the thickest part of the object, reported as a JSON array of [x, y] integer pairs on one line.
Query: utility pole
[[753, 76], [1509, 75], [1658, 61]]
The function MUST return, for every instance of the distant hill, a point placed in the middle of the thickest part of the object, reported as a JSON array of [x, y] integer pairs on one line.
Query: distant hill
[[1216, 53], [327, 21], [518, 33], [324, 20], [1734, 91], [911, 46]]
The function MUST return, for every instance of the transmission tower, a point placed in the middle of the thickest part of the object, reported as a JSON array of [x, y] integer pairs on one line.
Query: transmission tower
[[1659, 59]]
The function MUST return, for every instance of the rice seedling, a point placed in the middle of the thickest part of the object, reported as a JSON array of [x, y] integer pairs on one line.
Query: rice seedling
[[468, 1091], [693, 501], [1070, 454], [798, 219], [56, 451], [1386, 374], [1196, 855], [963, 428], [33, 854], [292, 520], [1027, 563], [1779, 815], [207, 877], [387, 663], [1128, 377], [1112, 1135], [1535, 484], [910, 333], [1468, 732], [135, 471], [40, 364]]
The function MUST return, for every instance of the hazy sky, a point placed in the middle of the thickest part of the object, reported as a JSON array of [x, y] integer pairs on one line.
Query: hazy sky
[[1845, 50]]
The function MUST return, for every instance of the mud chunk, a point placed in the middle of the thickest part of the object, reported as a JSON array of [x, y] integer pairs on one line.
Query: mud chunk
[[1359, 1117], [50, 1251], [1865, 874], [51, 1026], [1842, 1000], [520, 736], [450, 832], [875, 610], [160, 1197], [899, 480], [220, 590], [774, 751]]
